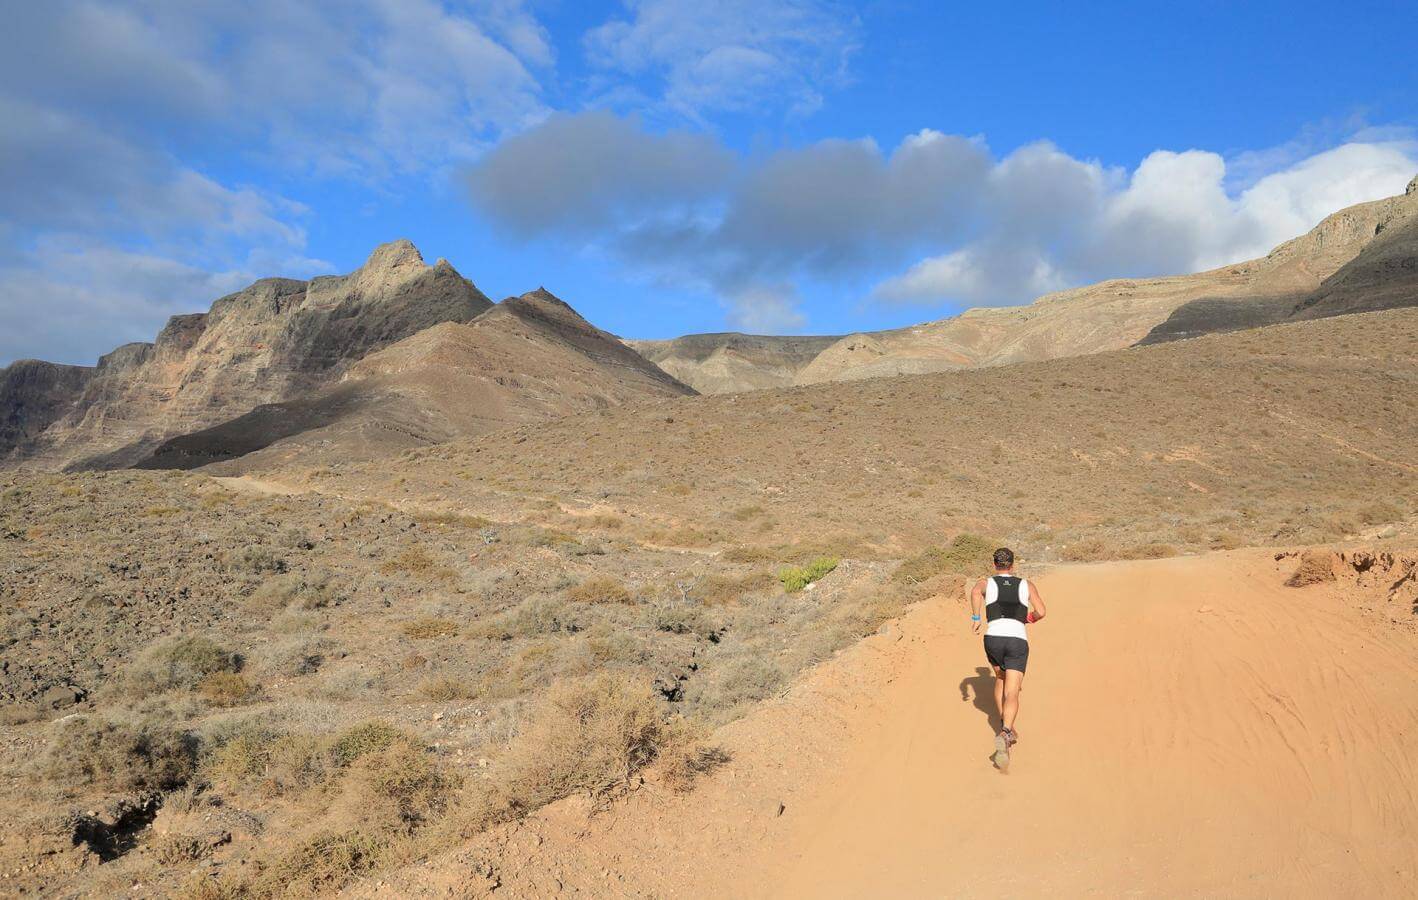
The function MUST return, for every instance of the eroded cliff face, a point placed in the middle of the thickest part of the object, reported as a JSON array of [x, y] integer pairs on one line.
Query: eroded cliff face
[[528, 359], [275, 340]]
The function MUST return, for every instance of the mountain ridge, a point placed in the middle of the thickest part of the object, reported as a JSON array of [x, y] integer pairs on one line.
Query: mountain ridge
[[1110, 314]]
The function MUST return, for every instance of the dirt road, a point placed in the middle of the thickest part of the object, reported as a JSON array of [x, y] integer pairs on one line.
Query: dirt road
[[1189, 727]]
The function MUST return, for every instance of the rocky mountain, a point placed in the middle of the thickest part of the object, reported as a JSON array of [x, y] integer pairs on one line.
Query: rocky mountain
[[527, 359], [1366, 259], [277, 340], [1361, 258], [727, 362]]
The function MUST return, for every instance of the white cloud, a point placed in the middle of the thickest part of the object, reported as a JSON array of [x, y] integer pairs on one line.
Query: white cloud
[[76, 300], [959, 225], [766, 309], [1171, 215], [102, 104], [733, 55]]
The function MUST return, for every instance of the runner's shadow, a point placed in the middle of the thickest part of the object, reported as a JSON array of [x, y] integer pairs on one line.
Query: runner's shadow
[[982, 685]]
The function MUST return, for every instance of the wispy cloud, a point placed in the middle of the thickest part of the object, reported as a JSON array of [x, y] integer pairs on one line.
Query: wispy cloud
[[738, 55]]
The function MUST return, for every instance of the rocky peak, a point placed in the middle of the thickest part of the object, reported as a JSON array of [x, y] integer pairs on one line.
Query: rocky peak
[[393, 255], [1412, 187]]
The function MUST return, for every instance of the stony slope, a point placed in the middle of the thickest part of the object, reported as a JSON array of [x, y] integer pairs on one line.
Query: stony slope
[[444, 591], [1383, 274], [275, 340], [527, 359], [727, 362], [1361, 258]]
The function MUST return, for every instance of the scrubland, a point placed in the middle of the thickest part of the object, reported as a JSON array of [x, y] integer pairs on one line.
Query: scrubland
[[236, 688]]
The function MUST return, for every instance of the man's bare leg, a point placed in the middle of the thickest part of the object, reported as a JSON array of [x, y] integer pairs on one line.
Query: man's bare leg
[[1010, 685], [999, 692]]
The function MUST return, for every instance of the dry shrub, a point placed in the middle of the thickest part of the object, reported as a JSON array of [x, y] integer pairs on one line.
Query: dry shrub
[[587, 734], [121, 756], [416, 563], [427, 628], [1088, 550], [687, 754], [320, 865], [1316, 567], [227, 689], [401, 780], [1224, 540], [533, 616], [443, 688], [310, 591], [600, 589], [175, 848], [294, 656], [966, 555], [1149, 551], [745, 513], [282, 763], [743, 679], [683, 618], [179, 662], [255, 560], [365, 738], [609, 523], [719, 590]]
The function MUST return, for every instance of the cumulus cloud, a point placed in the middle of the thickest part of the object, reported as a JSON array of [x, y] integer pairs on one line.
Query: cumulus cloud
[[70, 300], [957, 224], [1170, 215], [583, 173], [734, 55], [766, 309], [104, 103]]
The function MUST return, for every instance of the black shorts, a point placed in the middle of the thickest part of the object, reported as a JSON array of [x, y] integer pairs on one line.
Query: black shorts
[[1007, 652]]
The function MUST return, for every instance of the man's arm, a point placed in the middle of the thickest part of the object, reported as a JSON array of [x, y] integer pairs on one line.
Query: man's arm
[[1036, 602], [977, 603]]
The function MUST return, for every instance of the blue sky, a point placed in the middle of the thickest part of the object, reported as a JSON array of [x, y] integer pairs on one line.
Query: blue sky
[[670, 166]]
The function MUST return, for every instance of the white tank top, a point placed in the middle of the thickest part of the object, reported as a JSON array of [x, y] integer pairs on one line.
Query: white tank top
[[1005, 626]]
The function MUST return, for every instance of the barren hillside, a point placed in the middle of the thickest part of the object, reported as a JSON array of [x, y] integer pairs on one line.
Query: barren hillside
[[276, 340], [725, 363], [527, 359], [301, 677], [1360, 258]]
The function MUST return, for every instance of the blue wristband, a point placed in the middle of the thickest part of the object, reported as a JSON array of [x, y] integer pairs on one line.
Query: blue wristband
[[974, 618]]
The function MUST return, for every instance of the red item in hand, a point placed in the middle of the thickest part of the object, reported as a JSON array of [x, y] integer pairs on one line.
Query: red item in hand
[[1031, 618]]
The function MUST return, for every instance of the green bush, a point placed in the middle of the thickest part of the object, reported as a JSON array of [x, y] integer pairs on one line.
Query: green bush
[[795, 578]]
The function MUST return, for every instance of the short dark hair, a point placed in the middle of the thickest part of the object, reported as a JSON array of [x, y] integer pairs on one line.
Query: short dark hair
[[1004, 558]]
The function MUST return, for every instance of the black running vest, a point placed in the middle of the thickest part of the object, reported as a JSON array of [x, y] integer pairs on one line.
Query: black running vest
[[1006, 605]]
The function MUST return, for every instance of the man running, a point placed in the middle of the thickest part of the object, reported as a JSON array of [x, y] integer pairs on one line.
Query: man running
[[1009, 603]]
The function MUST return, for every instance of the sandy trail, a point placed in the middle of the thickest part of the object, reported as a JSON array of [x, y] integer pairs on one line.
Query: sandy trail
[[1189, 727], [1265, 746]]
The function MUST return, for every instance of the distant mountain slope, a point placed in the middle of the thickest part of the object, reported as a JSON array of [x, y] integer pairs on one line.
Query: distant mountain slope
[[728, 362], [1361, 258], [1382, 274], [275, 340], [528, 359]]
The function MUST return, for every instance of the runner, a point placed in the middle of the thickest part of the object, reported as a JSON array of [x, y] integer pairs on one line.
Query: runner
[[1009, 603]]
